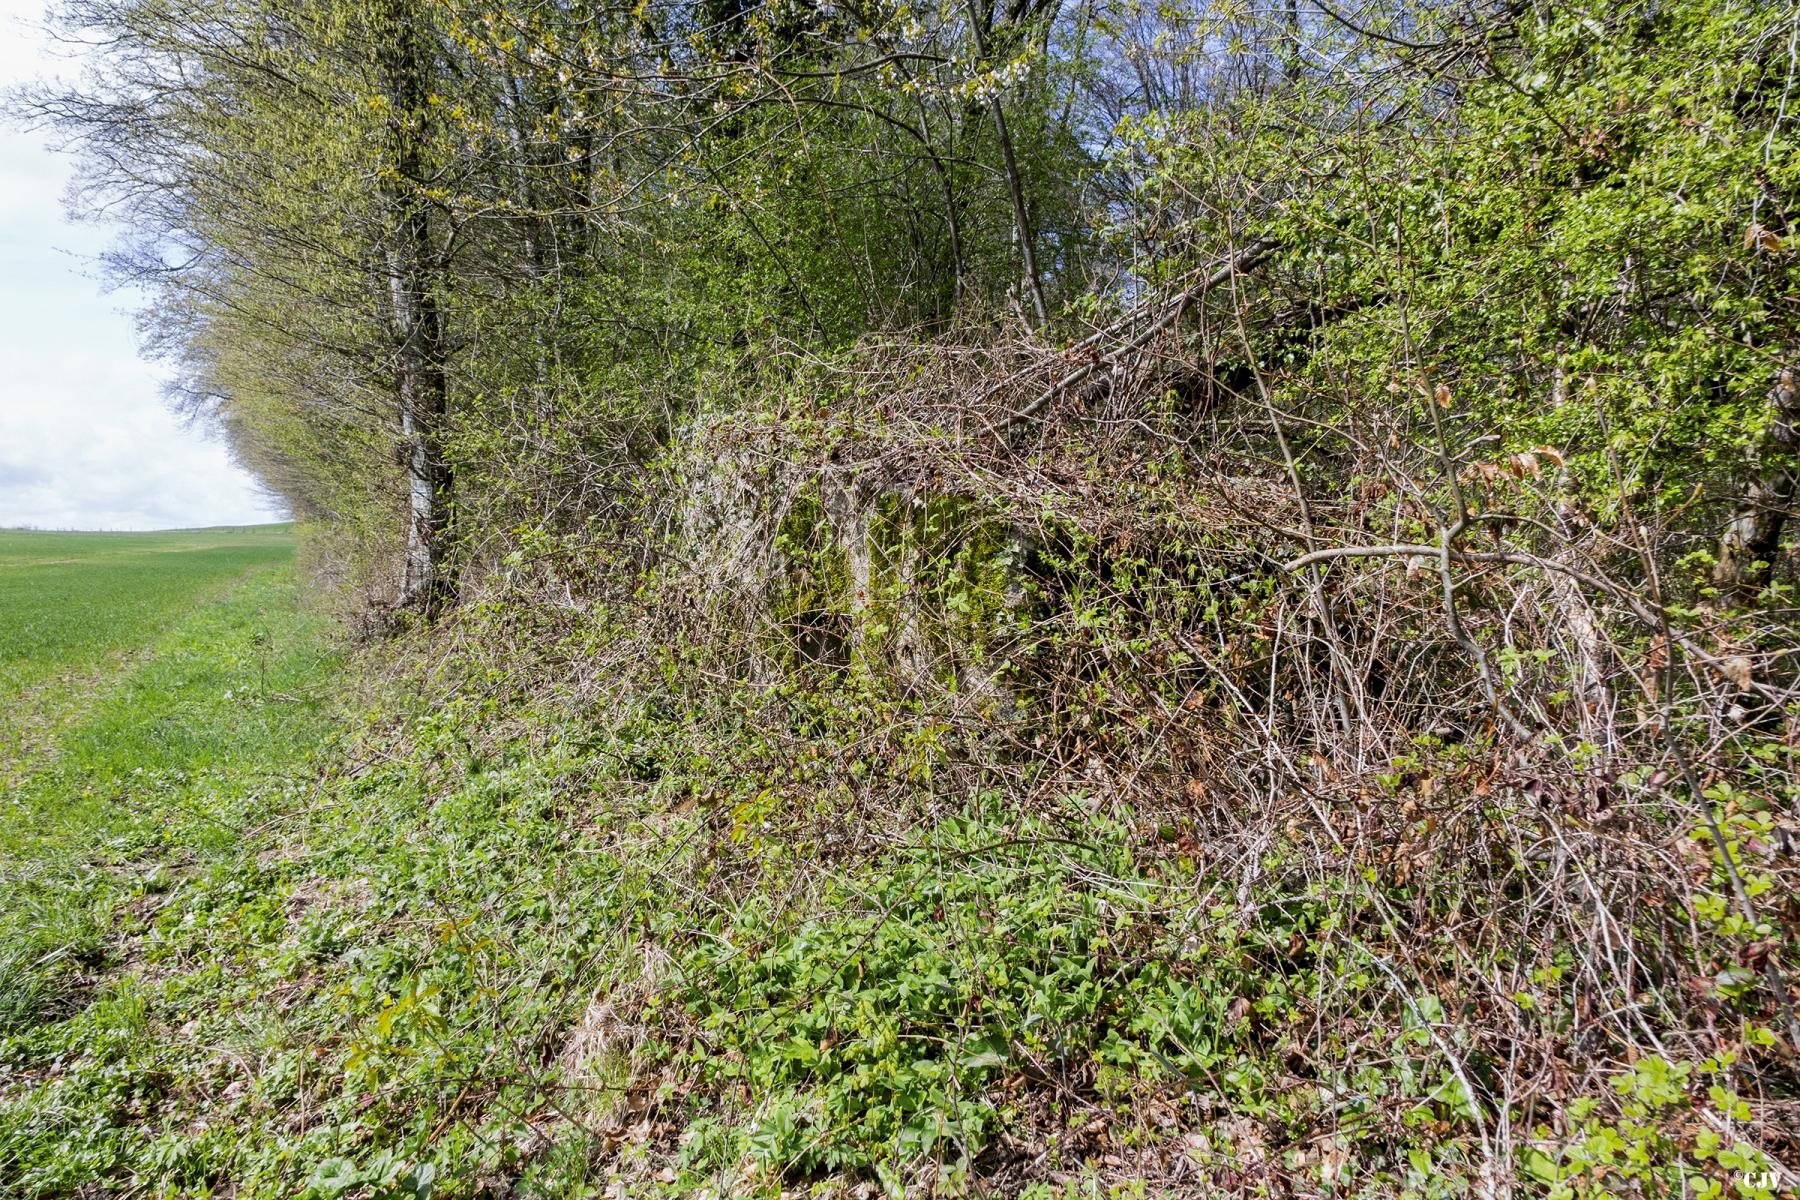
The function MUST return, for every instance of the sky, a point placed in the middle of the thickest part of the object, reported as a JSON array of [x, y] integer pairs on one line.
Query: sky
[[87, 440]]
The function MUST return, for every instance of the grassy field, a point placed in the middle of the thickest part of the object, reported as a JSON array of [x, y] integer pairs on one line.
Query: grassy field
[[171, 684], [75, 608]]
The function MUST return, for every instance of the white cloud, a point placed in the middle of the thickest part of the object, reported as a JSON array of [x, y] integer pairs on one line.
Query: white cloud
[[86, 440]]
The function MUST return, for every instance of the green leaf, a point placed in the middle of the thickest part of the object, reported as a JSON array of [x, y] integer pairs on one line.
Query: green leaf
[[1537, 1164], [334, 1177]]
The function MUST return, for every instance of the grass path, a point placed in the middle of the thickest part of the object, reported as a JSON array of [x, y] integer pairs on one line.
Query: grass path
[[235, 960]]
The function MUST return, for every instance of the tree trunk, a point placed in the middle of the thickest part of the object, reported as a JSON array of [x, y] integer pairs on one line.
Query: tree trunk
[[1752, 538], [426, 583], [1292, 62], [404, 58], [1015, 186]]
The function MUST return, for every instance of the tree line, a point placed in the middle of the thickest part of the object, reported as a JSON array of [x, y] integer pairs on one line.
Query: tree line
[[371, 230]]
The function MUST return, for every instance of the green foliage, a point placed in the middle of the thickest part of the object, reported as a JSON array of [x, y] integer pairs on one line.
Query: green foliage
[[874, 1032], [1573, 252], [1635, 1150]]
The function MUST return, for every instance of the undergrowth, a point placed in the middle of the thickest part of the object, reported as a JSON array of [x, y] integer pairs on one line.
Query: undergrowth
[[567, 919]]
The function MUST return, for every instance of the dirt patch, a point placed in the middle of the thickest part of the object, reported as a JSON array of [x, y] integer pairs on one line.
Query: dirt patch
[[608, 1035]]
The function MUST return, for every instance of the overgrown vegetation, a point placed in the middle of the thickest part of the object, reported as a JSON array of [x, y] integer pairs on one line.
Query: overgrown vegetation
[[981, 599]]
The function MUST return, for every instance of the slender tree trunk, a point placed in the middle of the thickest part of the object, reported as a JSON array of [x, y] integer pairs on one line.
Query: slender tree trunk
[[426, 583], [1752, 538], [1015, 186], [404, 58], [1291, 56]]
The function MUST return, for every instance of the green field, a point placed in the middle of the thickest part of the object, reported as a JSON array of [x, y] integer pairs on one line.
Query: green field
[[163, 692], [76, 608]]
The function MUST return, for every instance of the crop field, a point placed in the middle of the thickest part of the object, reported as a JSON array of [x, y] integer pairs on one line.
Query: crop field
[[76, 607]]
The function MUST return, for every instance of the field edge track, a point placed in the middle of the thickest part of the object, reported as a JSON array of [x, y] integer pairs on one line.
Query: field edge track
[[30, 739]]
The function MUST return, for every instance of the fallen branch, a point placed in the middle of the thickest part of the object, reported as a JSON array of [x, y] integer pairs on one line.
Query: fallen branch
[[1251, 256], [1639, 609]]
